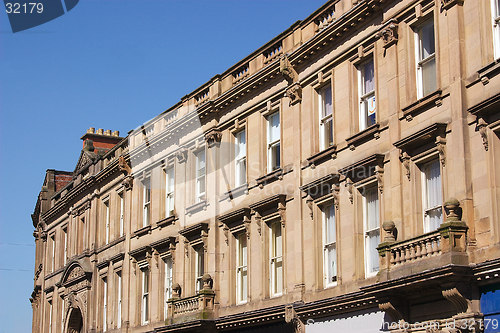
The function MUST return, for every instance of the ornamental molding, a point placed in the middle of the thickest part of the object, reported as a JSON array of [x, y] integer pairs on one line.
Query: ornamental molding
[[213, 137], [389, 34]]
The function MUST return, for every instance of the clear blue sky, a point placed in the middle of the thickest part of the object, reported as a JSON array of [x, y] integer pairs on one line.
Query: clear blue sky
[[110, 64]]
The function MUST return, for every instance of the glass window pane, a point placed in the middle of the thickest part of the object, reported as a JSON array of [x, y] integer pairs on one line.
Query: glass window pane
[[374, 240], [244, 284], [427, 39], [274, 127], [330, 224], [372, 209], [279, 276], [368, 77], [326, 101], [429, 76], [332, 264]]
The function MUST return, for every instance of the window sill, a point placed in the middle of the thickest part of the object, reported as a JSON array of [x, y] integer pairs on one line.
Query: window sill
[[142, 231], [273, 176], [235, 192], [365, 135], [167, 221], [422, 104], [197, 207], [110, 244], [331, 285], [329, 153]]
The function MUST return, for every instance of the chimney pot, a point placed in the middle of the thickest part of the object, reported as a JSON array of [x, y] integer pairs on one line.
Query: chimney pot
[[107, 132], [100, 131], [91, 130], [116, 133]]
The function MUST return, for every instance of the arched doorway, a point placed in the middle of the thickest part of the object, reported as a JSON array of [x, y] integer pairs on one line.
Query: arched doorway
[[75, 321]]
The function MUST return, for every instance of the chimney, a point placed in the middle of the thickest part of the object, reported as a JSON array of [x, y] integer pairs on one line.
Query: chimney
[[102, 140]]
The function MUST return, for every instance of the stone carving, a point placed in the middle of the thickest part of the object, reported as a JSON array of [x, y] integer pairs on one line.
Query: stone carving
[[405, 159], [483, 131], [207, 281], [349, 186], [171, 247], [440, 144], [176, 290], [336, 198], [452, 207], [128, 181], [75, 273], [186, 247], [258, 221], [204, 239], [310, 205], [388, 308], [246, 223], [294, 89], [294, 92], [389, 34], [389, 228], [213, 137], [454, 296], [379, 175], [282, 213], [291, 317], [181, 155]]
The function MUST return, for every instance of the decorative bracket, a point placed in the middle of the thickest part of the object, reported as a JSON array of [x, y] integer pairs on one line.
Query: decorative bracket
[[482, 127], [405, 159], [309, 203], [388, 308], [246, 223], [213, 137], [454, 296], [258, 221], [282, 213], [349, 187], [336, 198], [389, 34], [181, 155], [440, 144], [379, 175], [291, 317], [294, 89]]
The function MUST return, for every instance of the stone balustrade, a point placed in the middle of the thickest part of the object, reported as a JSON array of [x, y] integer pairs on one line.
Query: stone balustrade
[[424, 246]]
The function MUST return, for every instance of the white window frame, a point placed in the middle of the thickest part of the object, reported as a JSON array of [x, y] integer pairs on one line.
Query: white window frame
[[105, 304], [50, 316], [65, 254], [119, 300], [275, 257], [199, 267], [495, 20], [168, 282], [425, 209], [325, 119], [271, 144], [240, 158], [420, 62], [241, 268], [329, 245], [146, 202], [145, 285], [368, 233], [365, 96], [107, 217], [201, 177], [169, 191], [122, 213]]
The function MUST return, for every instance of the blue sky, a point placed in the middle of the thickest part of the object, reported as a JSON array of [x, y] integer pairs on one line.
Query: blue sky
[[110, 64]]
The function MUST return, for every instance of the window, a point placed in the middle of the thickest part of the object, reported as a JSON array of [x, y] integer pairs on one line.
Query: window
[[241, 268], [371, 222], [431, 195], [240, 158], [62, 314], [200, 175], [122, 211], [65, 252], [145, 297], [169, 192], [367, 103], [53, 254], [495, 10], [199, 267], [426, 59], [325, 117], [276, 259], [146, 203], [50, 316], [119, 300], [168, 283], [106, 216], [329, 246], [273, 142], [104, 303]]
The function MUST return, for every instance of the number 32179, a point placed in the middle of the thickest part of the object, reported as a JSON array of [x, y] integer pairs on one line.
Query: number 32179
[[25, 8]]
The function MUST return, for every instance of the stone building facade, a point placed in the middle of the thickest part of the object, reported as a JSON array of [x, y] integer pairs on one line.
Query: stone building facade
[[344, 176]]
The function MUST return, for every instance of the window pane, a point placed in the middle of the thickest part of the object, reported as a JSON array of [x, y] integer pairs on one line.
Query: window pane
[[326, 107], [330, 224], [427, 40], [373, 241], [372, 209], [274, 127], [368, 77], [277, 239], [328, 133], [200, 163], [332, 264], [433, 184], [244, 284], [429, 76], [279, 276]]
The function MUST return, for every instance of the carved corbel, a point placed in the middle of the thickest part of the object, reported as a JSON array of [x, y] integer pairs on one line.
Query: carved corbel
[[134, 265], [389, 34], [156, 257], [405, 159], [440, 144], [287, 70], [181, 155], [379, 175], [213, 137], [291, 317], [186, 247], [310, 205], [282, 213], [225, 230], [172, 247], [258, 221], [204, 239], [348, 185], [388, 308], [294, 92], [336, 197], [455, 297], [482, 127], [246, 223]]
